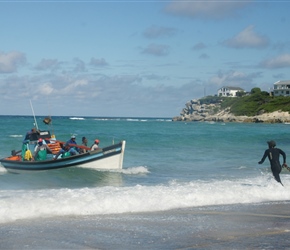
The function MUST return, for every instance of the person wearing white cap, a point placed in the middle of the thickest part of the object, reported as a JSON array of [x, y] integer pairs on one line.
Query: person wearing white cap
[[73, 150], [68, 148]]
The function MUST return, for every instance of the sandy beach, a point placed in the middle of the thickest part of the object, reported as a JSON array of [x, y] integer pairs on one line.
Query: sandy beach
[[251, 226]]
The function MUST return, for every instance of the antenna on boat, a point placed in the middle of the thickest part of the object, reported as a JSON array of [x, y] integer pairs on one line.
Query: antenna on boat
[[33, 115]]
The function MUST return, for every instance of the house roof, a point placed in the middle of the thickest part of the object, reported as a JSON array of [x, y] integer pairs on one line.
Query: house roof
[[232, 88], [282, 82]]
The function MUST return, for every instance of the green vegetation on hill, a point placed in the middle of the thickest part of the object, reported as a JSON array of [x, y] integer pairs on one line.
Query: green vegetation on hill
[[254, 103]]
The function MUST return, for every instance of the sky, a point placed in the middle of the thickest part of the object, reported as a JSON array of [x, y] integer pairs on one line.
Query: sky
[[136, 58]]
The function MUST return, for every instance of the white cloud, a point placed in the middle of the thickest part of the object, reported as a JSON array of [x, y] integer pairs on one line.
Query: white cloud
[[156, 50], [206, 9], [9, 62], [143, 94], [74, 86], [199, 46], [204, 56], [45, 89], [117, 95], [281, 61], [98, 62], [80, 65], [233, 78], [157, 32], [154, 77], [247, 38], [47, 64], [114, 95]]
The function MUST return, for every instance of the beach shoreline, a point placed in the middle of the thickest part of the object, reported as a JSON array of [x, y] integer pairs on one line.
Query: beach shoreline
[[239, 226]]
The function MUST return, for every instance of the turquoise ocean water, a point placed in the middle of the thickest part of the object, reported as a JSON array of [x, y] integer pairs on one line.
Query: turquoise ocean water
[[167, 165]]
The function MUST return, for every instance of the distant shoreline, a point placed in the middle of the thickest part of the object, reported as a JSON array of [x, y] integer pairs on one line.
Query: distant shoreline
[[195, 111], [275, 117]]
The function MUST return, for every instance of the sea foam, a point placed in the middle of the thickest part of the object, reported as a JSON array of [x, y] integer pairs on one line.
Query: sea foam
[[24, 204]]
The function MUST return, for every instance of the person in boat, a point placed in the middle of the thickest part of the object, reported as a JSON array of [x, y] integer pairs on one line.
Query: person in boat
[[64, 152], [68, 149], [273, 155], [26, 153], [73, 150], [28, 134], [41, 151], [84, 143], [95, 146]]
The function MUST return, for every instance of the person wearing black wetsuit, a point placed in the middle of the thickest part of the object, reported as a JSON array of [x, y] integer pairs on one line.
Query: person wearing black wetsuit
[[273, 156]]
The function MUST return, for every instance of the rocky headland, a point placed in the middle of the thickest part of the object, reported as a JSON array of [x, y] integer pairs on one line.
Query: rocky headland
[[195, 111]]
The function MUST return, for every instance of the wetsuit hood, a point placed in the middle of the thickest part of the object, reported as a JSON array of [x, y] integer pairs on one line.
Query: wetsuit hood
[[271, 144]]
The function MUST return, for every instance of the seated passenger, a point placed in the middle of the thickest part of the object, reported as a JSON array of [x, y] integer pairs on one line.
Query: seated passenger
[[28, 134], [68, 149], [95, 146], [64, 152], [73, 150], [41, 151], [85, 144]]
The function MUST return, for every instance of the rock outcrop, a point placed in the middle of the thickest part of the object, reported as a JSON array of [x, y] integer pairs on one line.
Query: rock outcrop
[[195, 111]]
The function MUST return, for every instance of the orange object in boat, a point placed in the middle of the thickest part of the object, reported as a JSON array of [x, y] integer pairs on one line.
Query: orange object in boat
[[14, 158], [54, 147]]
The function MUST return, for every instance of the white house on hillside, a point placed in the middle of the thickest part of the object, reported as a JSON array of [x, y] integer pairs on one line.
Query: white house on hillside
[[281, 88], [229, 91]]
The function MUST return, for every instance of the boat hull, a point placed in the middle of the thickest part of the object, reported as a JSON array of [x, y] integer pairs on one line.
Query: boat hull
[[108, 158]]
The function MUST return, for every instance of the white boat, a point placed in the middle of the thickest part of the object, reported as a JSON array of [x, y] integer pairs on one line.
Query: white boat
[[106, 158]]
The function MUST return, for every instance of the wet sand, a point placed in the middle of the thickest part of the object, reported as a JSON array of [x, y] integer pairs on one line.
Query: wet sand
[[250, 226]]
